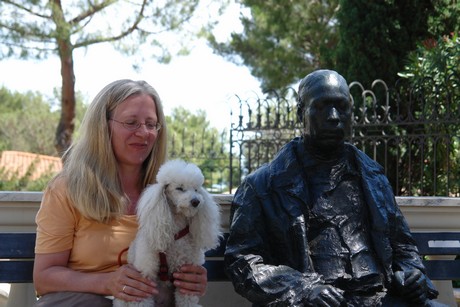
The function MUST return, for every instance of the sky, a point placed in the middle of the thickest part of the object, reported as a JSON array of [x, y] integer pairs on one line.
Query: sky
[[201, 80]]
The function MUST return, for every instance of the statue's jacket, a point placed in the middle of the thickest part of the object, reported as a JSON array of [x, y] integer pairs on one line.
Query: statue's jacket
[[267, 254]]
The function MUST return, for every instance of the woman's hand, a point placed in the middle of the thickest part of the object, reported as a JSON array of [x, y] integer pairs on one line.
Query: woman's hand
[[129, 285], [191, 279]]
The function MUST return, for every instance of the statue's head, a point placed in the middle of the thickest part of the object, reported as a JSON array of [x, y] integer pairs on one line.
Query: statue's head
[[325, 109]]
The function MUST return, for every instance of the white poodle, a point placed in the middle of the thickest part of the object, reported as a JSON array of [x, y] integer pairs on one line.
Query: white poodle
[[178, 221]]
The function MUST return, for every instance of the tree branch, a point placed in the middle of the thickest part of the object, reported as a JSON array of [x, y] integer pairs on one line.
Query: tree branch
[[26, 9], [123, 34], [94, 9]]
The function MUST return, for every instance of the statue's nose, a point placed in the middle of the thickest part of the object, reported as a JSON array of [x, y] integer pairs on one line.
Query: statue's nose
[[333, 114]]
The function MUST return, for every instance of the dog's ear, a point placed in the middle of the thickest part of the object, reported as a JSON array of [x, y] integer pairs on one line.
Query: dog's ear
[[205, 226], [155, 218]]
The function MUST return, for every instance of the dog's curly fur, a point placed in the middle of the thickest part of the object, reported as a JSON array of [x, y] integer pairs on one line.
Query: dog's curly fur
[[177, 199]]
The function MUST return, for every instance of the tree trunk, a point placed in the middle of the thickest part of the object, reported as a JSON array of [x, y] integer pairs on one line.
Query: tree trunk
[[66, 124]]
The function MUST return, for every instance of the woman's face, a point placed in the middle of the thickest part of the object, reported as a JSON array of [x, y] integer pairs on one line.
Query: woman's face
[[132, 147]]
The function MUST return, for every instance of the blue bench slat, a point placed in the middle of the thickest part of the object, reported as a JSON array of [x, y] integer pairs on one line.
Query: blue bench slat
[[215, 270], [14, 271], [439, 243], [16, 257], [442, 243], [17, 245], [19, 248], [215, 261], [443, 269]]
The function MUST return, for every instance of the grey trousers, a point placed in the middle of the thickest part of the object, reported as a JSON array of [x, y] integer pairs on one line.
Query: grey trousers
[[73, 299]]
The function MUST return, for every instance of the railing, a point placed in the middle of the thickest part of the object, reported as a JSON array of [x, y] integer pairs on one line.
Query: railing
[[428, 214], [413, 135]]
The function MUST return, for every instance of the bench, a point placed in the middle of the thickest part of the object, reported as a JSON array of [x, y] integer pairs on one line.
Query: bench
[[17, 253], [434, 244], [17, 259], [431, 219], [429, 244]]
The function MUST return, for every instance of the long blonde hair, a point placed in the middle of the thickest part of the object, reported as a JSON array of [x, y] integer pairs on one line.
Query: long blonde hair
[[90, 167]]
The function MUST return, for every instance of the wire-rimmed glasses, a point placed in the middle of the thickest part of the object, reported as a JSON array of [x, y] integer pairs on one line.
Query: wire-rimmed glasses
[[132, 125]]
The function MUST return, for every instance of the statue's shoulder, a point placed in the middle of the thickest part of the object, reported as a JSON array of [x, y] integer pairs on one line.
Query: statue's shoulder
[[281, 166], [364, 162]]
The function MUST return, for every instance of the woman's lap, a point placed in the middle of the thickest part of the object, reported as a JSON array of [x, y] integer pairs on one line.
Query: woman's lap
[[73, 299]]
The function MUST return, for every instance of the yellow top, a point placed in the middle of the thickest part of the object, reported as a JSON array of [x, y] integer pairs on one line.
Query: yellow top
[[94, 246]]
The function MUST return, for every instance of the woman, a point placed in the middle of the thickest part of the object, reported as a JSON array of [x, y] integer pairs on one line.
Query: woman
[[87, 216]]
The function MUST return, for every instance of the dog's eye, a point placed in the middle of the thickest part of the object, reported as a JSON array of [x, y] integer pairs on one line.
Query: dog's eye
[[180, 189]]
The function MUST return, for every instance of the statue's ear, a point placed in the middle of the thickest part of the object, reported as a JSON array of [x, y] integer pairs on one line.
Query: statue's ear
[[300, 107]]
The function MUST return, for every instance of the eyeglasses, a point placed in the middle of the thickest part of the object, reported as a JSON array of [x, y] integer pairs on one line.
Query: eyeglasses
[[132, 125]]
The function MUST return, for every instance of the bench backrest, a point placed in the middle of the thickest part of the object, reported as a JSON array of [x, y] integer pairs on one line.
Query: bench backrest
[[17, 253], [16, 257], [215, 262], [439, 243]]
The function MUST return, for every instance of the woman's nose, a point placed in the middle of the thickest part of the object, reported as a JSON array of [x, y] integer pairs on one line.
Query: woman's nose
[[142, 130]]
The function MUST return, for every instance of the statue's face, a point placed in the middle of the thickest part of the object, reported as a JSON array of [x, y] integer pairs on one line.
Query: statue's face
[[327, 111]]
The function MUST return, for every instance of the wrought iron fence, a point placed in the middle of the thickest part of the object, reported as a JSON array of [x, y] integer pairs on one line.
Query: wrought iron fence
[[263, 125], [412, 131], [209, 152]]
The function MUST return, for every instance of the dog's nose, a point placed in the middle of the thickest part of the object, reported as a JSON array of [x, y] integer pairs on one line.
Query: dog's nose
[[195, 202]]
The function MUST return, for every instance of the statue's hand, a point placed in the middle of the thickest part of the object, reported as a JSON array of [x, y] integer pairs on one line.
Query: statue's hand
[[325, 296], [412, 285]]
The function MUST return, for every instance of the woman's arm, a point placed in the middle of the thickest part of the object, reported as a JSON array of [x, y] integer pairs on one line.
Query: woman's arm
[[51, 274]]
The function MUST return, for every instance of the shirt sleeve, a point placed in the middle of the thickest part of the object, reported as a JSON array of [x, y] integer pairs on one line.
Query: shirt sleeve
[[56, 220]]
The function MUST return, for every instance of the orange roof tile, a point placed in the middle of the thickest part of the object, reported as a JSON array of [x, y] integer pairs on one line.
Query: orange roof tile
[[18, 163]]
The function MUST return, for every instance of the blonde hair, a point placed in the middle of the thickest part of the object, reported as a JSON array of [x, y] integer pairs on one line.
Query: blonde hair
[[90, 167]]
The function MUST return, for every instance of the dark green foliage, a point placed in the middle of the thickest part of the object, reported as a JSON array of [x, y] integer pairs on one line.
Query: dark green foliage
[[438, 60], [192, 139], [445, 18], [282, 41], [433, 71], [16, 182], [376, 36], [27, 122]]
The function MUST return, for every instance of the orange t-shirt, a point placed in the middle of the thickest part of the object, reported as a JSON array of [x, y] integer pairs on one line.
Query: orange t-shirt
[[94, 246]]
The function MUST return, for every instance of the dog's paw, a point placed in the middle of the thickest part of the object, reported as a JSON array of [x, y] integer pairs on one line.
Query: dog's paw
[[149, 302], [183, 300]]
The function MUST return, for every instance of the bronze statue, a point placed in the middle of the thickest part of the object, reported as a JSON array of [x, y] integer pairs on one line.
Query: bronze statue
[[319, 225]]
